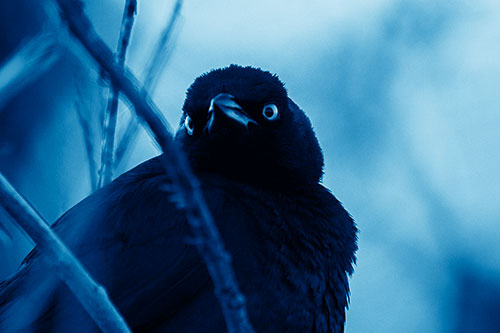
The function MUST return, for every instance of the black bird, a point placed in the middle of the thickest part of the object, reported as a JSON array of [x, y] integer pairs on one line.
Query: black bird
[[260, 165]]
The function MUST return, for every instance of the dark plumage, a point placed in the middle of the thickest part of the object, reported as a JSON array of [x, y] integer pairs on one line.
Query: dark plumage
[[259, 164]]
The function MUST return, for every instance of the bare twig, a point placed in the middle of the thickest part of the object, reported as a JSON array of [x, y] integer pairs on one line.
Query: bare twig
[[128, 137], [106, 171], [158, 59], [32, 59], [185, 185], [92, 296], [156, 65], [88, 138]]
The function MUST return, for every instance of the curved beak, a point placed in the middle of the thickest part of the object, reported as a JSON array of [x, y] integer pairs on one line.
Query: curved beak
[[224, 106]]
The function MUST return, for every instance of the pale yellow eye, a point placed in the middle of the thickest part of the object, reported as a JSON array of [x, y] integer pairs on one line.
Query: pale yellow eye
[[270, 112], [189, 125]]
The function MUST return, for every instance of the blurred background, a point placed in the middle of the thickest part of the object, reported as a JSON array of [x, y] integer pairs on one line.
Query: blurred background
[[403, 96]]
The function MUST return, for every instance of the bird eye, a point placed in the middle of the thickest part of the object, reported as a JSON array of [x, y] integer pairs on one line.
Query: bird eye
[[270, 112], [188, 123]]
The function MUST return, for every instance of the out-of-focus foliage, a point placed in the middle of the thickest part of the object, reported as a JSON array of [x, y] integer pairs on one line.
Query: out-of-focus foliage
[[402, 94]]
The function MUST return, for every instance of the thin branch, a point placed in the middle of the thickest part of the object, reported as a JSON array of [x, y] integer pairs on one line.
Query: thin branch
[[7, 227], [158, 60], [106, 171], [87, 138], [156, 65], [92, 296], [31, 60], [185, 185], [128, 137]]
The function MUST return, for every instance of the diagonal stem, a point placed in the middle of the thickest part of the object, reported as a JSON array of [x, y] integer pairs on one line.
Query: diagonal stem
[[92, 296], [107, 158], [154, 69], [88, 137], [32, 59], [185, 184]]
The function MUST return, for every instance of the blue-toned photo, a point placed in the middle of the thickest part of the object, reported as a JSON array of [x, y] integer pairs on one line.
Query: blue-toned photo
[[249, 166]]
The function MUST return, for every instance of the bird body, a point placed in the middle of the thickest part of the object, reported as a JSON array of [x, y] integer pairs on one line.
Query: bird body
[[292, 243]]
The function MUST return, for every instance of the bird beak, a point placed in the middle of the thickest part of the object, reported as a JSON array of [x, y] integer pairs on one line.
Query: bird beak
[[224, 105]]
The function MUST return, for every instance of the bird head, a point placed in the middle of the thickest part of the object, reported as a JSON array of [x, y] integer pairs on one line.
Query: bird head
[[239, 122]]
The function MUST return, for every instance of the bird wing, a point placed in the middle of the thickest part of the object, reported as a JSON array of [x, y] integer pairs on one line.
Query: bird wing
[[132, 240]]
